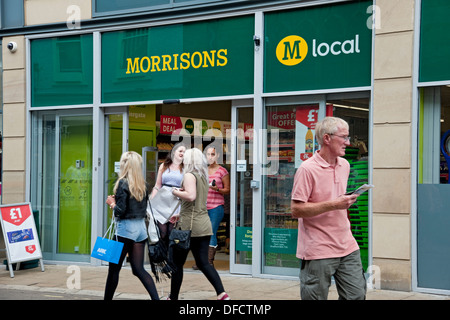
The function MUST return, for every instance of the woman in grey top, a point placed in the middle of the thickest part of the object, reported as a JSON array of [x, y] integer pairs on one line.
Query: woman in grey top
[[193, 193]]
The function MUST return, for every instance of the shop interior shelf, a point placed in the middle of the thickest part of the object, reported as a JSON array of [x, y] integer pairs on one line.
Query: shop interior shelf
[[358, 212]]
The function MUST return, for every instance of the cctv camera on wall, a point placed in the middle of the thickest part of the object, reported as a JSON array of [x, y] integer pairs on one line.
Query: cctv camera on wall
[[12, 46]]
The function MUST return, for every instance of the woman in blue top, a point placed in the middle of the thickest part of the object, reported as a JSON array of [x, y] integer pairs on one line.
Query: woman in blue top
[[170, 174]]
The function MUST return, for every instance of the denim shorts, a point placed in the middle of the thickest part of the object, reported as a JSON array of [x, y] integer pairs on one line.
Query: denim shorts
[[134, 229]]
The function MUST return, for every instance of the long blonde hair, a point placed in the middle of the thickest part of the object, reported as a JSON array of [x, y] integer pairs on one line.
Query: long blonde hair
[[131, 171], [195, 161]]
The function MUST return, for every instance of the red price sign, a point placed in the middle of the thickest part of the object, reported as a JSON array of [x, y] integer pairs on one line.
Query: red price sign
[[308, 115], [30, 248], [16, 215], [169, 124]]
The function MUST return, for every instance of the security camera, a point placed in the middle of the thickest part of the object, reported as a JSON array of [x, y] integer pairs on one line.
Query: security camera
[[12, 46], [257, 40]]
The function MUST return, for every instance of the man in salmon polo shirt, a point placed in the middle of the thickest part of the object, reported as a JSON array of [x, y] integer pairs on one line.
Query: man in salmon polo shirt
[[325, 243]]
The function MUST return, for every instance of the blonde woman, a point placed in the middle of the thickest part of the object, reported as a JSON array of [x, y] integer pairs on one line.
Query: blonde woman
[[129, 205], [193, 193]]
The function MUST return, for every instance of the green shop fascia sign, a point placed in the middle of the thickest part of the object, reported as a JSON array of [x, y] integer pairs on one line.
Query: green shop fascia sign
[[318, 48], [199, 59], [62, 71], [435, 41]]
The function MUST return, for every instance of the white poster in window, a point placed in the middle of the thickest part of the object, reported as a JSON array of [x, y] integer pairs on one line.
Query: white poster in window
[[306, 118]]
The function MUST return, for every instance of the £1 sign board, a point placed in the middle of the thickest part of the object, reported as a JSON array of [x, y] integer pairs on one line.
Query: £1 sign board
[[20, 234]]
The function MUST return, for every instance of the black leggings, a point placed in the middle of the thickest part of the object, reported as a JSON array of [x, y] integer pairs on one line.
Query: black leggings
[[136, 252], [200, 248]]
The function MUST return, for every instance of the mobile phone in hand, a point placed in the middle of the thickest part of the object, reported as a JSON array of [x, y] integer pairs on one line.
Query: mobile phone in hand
[[361, 189]]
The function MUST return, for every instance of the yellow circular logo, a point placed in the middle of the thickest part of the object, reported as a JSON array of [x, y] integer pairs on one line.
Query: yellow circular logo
[[292, 50], [216, 125]]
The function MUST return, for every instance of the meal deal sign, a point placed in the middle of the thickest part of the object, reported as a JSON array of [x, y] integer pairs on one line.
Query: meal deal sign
[[19, 231]]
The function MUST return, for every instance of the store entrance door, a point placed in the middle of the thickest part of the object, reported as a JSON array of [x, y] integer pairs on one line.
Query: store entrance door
[[241, 198], [62, 176], [116, 142]]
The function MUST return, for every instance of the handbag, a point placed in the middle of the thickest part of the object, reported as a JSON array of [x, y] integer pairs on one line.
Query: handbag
[[107, 249], [152, 228], [181, 239], [160, 263], [164, 204]]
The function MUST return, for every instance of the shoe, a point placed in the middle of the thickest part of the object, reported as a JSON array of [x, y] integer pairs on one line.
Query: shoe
[[195, 267], [223, 296]]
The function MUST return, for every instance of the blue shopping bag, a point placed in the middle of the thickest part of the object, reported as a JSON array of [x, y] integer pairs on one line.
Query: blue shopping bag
[[107, 249]]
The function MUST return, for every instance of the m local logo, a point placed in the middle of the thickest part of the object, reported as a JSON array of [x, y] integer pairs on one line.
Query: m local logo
[[293, 49]]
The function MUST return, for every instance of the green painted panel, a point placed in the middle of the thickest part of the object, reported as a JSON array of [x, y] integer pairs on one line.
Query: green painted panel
[[318, 48], [433, 238], [75, 199], [278, 240], [201, 59], [62, 71], [244, 236], [434, 41]]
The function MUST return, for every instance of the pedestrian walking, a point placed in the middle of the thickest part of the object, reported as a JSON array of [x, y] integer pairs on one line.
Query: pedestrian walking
[[129, 205], [326, 245], [170, 174], [219, 185], [194, 217]]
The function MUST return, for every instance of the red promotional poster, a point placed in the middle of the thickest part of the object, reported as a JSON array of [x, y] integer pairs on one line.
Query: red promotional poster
[[30, 249], [19, 232], [282, 119], [16, 215], [169, 124], [308, 116]]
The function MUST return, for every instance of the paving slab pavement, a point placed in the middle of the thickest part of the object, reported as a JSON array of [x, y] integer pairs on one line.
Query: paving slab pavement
[[90, 280]]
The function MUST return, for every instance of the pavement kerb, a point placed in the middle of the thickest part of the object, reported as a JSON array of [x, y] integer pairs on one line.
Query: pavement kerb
[[56, 279]]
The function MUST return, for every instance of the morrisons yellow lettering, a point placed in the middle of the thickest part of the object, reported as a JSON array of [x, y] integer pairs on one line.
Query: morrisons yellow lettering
[[209, 59], [142, 64], [166, 62], [185, 58], [222, 55], [183, 61], [193, 59], [175, 62], [155, 63], [133, 65]]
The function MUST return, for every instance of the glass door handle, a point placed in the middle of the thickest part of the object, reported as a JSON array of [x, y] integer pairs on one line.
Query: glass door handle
[[254, 184]]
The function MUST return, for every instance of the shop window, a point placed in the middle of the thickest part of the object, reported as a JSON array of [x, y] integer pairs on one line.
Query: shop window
[[433, 201], [107, 7], [294, 124], [356, 113], [434, 135], [11, 14]]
